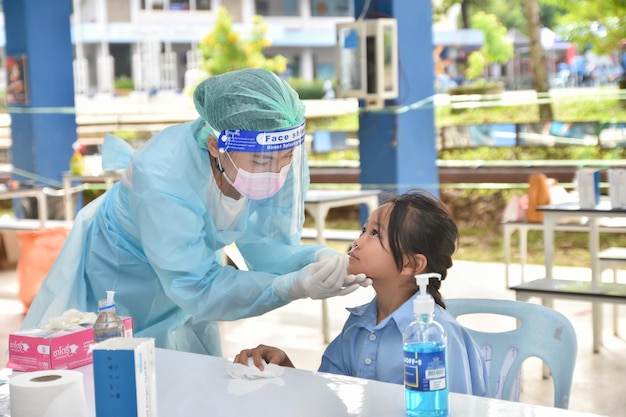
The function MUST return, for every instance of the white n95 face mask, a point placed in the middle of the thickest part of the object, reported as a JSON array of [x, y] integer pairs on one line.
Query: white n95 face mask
[[258, 185]]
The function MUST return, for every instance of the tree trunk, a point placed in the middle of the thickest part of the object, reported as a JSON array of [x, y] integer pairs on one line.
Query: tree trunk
[[465, 13], [540, 76]]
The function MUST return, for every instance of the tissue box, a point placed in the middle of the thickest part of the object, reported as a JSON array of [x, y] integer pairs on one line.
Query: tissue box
[[42, 349], [124, 378], [588, 187], [617, 187]]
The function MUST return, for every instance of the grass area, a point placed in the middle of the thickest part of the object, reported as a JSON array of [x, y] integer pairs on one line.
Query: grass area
[[602, 104]]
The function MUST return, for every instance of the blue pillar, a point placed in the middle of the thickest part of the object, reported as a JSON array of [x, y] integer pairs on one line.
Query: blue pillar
[[43, 119], [398, 149]]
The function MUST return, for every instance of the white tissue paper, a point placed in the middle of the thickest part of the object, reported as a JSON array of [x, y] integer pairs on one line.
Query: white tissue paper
[[239, 371], [54, 393]]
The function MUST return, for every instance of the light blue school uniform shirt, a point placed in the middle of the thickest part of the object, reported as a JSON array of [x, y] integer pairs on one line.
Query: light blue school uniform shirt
[[368, 350]]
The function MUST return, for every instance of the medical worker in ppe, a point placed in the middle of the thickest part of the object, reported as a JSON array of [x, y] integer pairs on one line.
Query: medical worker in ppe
[[236, 174]]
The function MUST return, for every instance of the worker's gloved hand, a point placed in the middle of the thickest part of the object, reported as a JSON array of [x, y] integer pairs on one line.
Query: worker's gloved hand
[[325, 278], [350, 279]]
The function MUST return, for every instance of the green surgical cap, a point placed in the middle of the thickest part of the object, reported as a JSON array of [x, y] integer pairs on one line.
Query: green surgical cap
[[247, 99]]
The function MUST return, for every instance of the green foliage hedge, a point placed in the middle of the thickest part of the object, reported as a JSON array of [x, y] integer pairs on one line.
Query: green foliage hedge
[[124, 83], [307, 90], [531, 153]]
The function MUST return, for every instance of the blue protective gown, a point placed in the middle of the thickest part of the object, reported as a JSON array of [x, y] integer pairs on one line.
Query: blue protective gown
[[152, 240], [371, 350]]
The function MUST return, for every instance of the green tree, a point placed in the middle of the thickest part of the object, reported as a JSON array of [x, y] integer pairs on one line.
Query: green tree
[[225, 50], [600, 23], [496, 49], [509, 12]]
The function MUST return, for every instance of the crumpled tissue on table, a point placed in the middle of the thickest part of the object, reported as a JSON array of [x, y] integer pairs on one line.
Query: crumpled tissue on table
[[247, 379], [69, 318], [239, 371]]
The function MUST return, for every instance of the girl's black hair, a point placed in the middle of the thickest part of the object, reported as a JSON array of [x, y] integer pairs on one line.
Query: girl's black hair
[[419, 223]]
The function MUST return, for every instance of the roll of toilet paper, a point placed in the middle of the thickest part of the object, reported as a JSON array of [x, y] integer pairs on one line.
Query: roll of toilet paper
[[53, 393]]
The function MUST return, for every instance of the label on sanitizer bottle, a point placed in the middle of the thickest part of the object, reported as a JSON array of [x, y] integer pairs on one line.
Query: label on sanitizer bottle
[[425, 371]]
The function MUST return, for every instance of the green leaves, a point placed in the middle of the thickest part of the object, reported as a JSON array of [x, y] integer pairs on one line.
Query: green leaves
[[497, 48], [600, 23], [225, 49]]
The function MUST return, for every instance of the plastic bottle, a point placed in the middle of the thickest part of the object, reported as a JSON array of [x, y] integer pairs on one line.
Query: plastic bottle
[[425, 358], [108, 324], [77, 163]]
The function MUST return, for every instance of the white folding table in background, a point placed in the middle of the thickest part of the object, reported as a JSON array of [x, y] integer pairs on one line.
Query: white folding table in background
[[551, 215]]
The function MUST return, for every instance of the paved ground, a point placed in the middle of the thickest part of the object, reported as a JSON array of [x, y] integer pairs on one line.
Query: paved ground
[[297, 329]]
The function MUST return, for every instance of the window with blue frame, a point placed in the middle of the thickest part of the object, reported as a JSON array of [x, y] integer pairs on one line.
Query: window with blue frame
[[277, 7], [333, 8], [176, 4]]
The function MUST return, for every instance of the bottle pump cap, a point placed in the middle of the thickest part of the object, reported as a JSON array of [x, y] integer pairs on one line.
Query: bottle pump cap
[[109, 301], [423, 302]]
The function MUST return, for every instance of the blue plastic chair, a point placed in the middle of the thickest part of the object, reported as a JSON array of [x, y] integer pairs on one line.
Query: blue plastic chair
[[542, 332]]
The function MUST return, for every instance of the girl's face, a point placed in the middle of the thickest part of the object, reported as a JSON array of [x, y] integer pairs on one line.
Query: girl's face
[[370, 254]]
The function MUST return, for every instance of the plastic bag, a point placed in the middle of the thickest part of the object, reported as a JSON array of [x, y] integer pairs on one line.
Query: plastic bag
[[538, 195], [38, 251]]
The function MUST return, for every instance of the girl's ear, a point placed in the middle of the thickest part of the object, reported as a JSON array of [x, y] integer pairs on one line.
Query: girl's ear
[[416, 264], [211, 143]]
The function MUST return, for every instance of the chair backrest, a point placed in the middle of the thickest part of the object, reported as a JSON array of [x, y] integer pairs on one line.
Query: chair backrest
[[541, 332]]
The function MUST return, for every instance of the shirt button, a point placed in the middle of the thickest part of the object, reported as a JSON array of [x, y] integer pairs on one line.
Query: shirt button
[[372, 337], [368, 361]]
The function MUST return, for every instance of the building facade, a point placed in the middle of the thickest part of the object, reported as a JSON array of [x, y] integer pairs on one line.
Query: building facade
[[154, 42]]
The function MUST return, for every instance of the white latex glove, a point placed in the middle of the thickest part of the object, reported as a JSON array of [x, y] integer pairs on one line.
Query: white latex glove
[[350, 279], [325, 278], [360, 279]]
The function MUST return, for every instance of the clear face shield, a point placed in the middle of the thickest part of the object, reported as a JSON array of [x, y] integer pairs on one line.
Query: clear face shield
[[269, 168]]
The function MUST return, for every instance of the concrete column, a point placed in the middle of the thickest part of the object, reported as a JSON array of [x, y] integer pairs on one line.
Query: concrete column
[[307, 71], [398, 148], [104, 61], [43, 125]]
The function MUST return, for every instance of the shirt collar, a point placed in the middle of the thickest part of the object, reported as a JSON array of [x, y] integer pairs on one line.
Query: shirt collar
[[401, 317]]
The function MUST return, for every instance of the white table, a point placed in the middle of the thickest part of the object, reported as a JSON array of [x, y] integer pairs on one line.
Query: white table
[[193, 385], [42, 222], [318, 203], [508, 228], [107, 177], [551, 215]]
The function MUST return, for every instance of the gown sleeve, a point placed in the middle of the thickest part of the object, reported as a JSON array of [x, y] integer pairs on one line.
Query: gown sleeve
[[169, 216]]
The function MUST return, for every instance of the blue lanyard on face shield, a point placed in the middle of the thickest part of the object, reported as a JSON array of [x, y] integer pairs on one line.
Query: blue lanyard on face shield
[[261, 141]]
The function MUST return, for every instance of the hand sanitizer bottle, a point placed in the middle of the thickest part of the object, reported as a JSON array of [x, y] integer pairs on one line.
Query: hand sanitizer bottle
[[108, 324], [77, 163], [425, 362]]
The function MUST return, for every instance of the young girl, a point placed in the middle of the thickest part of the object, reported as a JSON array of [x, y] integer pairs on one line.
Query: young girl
[[410, 234]]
